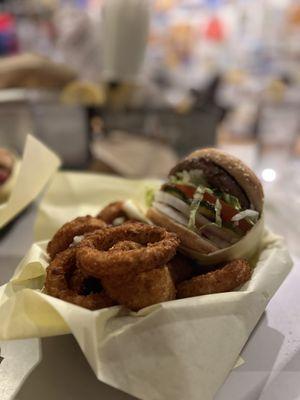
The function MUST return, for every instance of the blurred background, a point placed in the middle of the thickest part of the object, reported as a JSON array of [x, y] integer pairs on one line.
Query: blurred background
[[127, 87]]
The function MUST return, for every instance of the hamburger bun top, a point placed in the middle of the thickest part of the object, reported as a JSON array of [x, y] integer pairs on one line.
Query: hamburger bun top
[[240, 172]]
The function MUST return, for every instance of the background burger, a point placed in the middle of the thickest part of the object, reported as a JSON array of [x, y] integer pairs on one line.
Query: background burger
[[8, 168], [212, 200]]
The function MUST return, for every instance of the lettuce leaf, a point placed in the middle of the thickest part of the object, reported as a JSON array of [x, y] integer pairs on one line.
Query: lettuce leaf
[[149, 197], [198, 197], [193, 178], [218, 209], [182, 177], [193, 212], [232, 200]]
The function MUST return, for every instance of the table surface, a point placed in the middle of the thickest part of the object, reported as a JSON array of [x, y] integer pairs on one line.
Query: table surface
[[272, 354]]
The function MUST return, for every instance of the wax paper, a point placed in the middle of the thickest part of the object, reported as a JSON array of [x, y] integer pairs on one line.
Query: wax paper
[[182, 349], [33, 172]]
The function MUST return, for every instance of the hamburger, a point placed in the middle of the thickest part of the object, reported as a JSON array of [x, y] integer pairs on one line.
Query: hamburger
[[8, 171], [214, 203]]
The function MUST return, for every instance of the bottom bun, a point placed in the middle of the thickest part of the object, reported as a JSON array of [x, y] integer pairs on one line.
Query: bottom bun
[[188, 238], [203, 251]]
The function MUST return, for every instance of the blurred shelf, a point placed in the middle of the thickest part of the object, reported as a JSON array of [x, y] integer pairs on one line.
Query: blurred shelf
[[21, 8], [21, 95]]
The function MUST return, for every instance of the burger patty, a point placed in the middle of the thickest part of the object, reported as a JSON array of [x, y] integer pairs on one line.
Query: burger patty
[[216, 177]]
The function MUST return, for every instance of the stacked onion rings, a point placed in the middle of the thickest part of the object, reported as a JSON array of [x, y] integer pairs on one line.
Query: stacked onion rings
[[98, 258], [133, 264], [132, 256]]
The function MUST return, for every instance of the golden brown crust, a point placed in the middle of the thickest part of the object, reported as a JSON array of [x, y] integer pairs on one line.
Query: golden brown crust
[[57, 283], [238, 170], [98, 257], [188, 238], [141, 290], [65, 235], [112, 211], [225, 279]]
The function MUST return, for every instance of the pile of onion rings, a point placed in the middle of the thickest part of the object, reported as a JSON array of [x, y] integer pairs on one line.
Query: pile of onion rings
[[94, 264]]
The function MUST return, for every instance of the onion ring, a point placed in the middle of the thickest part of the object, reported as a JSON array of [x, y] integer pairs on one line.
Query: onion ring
[[141, 290], [57, 283], [65, 235], [112, 212], [225, 279], [97, 258], [136, 291], [180, 267]]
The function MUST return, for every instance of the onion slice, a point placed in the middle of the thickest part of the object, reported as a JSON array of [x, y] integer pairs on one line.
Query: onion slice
[[251, 214], [170, 200], [171, 213], [179, 211]]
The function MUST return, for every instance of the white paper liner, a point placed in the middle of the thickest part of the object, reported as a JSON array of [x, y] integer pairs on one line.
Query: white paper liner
[[76, 194], [182, 349], [247, 247], [29, 178]]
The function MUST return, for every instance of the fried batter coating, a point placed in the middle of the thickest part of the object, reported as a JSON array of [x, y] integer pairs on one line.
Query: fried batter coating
[[57, 283], [141, 290], [137, 291], [98, 257], [112, 212], [225, 279], [65, 235]]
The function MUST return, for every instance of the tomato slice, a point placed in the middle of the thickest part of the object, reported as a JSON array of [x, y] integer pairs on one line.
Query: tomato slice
[[189, 191], [227, 211]]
